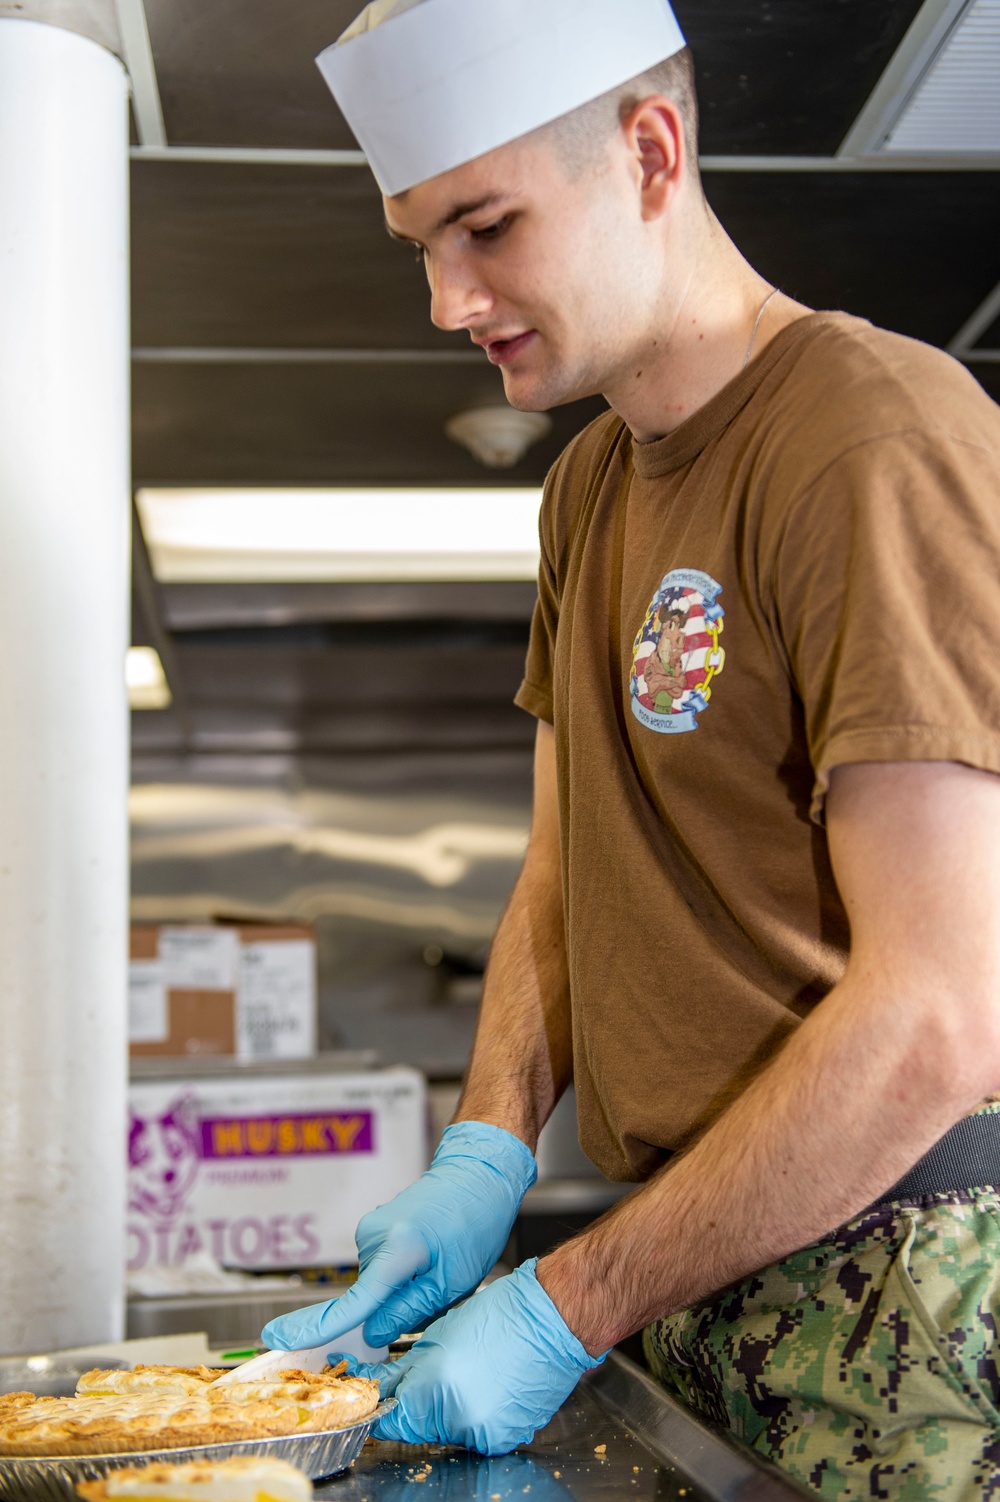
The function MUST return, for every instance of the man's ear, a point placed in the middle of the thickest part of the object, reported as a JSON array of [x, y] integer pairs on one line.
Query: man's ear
[[654, 135]]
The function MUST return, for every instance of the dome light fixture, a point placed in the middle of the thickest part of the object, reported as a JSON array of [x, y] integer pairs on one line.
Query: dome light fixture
[[498, 436]]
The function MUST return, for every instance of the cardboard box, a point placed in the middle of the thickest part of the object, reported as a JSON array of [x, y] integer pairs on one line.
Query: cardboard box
[[222, 989], [268, 1171]]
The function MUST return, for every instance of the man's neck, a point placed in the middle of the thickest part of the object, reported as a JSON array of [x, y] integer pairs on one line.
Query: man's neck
[[704, 336]]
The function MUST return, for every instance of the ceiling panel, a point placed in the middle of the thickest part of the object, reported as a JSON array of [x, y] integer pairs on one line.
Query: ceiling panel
[[787, 77], [298, 257], [321, 425], [241, 72], [914, 252], [777, 76], [286, 256], [989, 338], [988, 377]]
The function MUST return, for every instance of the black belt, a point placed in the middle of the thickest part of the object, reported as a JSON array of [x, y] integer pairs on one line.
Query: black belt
[[966, 1157]]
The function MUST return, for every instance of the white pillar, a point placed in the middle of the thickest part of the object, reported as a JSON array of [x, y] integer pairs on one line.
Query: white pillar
[[64, 528]]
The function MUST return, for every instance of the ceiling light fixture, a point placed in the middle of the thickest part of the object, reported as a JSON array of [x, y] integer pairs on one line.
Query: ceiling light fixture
[[498, 436], [329, 536], [938, 95], [145, 679]]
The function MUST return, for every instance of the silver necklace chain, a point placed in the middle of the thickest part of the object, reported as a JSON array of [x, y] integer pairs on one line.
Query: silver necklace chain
[[756, 325]]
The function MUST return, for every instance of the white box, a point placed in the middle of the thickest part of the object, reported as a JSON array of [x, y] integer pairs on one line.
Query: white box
[[240, 990], [276, 998], [268, 1171]]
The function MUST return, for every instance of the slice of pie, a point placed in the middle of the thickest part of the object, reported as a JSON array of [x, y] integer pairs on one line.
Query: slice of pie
[[171, 1408], [187, 1379], [242, 1480]]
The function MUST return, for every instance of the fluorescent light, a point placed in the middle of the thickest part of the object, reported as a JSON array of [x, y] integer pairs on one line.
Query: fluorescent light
[[956, 105], [333, 535], [145, 679]]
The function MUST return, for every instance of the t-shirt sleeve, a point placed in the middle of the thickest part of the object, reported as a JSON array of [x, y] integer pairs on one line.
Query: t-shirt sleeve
[[536, 691], [887, 595]]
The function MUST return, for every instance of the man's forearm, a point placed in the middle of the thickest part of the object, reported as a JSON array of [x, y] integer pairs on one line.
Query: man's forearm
[[858, 1094], [522, 1057]]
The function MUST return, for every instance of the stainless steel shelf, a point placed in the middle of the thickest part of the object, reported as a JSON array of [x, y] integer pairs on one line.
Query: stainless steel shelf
[[573, 1196], [618, 1437], [198, 1066], [232, 1318]]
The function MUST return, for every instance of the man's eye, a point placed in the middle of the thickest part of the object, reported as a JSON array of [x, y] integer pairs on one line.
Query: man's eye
[[492, 231]]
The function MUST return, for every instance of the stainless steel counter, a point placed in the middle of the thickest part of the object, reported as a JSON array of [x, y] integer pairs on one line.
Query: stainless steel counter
[[619, 1436]]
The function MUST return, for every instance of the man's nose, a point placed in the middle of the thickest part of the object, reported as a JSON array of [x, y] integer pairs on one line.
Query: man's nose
[[457, 300]]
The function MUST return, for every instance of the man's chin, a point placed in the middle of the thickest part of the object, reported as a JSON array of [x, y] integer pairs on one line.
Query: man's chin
[[538, 394]]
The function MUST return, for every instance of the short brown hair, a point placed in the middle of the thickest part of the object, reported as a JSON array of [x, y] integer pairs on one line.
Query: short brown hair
[[581, 135]]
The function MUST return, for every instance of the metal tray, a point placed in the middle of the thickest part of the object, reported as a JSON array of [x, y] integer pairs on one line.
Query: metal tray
[[51, 1376], [618, 1438], [53, 1478]]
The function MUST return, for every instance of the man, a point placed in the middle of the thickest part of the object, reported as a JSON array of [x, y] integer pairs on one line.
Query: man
[[801, 1082], [663, 669]]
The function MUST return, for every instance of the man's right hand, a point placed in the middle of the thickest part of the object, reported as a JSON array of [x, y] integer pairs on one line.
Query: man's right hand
[[426, 1248]]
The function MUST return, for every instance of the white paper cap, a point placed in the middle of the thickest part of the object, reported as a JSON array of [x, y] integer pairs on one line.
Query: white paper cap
[[426, 85]]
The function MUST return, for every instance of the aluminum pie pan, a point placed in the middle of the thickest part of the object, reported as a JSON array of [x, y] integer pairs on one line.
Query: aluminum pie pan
[[53, 1478]]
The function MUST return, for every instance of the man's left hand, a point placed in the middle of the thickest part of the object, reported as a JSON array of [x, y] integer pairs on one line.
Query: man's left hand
[[488, 1375]]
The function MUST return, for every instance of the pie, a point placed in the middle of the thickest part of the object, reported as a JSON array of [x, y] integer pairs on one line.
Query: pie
[[186, 1379], [242, 1480], [171, 1408]]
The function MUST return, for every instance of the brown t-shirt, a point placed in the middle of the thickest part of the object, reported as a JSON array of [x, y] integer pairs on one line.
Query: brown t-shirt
[[806, 573]]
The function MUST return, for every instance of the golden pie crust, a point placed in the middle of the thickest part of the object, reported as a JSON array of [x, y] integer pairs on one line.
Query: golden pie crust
[[254, 1477], [170, 1408], [187, 1379]]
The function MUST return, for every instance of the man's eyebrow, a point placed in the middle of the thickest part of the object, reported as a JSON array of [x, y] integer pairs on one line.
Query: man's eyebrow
[[452, 217], [460, 210]]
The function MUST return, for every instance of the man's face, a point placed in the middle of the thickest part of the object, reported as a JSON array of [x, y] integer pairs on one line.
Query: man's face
[[540, 267], [671, 637]]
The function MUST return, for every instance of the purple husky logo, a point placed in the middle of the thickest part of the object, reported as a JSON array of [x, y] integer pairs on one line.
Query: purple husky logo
[[164, 1153]]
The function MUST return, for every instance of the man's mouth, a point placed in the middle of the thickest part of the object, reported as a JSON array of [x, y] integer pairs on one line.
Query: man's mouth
[[503, 351]]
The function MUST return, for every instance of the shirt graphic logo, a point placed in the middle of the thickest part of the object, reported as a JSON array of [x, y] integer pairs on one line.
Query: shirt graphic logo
[[677, 652]]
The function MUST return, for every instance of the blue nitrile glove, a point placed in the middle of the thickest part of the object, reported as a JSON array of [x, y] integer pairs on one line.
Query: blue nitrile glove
[[427, 1247], [488, 1375]]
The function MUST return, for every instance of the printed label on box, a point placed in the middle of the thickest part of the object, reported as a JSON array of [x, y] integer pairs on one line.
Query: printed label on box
[[199, 959], [268, 1172], [276, 999], [286, 1136], [148, 1019]]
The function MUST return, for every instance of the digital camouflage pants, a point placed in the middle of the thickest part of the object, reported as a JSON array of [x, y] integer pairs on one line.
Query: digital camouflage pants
[[867, 1365]]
